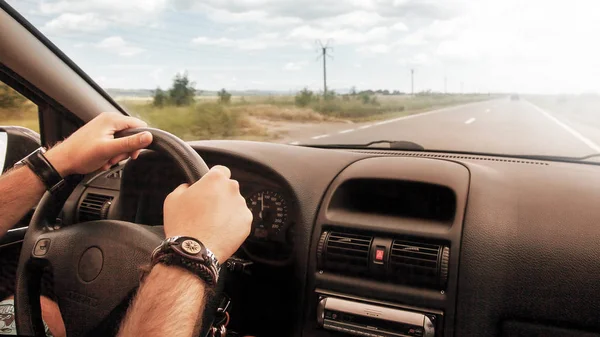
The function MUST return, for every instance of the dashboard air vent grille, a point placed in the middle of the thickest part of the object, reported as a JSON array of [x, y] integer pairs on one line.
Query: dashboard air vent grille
[[345, 251], [94, 207], [417, 261]]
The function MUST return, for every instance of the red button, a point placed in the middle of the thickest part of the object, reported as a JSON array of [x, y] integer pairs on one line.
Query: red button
[[379, 254]]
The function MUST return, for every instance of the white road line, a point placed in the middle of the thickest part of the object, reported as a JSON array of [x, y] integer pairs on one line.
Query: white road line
[[432, 112], [320, 136], [570, 130], [470, 120], [346, 131], [294, 143], [365, 127]]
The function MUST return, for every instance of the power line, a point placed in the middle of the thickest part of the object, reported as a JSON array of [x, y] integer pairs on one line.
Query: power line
[[324, 56]]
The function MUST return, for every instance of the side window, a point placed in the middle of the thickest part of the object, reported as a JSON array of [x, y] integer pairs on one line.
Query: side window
[[16, 110]]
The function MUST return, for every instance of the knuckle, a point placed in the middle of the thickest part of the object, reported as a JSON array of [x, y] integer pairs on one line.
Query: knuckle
[[235, 185], [128, 143]]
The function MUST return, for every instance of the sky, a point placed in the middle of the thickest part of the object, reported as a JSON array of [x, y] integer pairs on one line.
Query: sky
[[526, 46]]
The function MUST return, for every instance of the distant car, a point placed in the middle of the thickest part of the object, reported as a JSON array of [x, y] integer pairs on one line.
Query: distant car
[[514, 97]]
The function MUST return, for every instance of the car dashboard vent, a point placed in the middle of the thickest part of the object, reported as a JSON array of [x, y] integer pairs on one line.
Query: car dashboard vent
[[94, 207], [406, 260], [419, 262], [342, 251]]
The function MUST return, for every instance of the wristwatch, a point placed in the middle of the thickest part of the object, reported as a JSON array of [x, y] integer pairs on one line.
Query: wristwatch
[[39, 164], [188, 253]]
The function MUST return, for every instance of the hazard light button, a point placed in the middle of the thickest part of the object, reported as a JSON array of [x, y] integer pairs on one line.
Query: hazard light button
[[379, 254]]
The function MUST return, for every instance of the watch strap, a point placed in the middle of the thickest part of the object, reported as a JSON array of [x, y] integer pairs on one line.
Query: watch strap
[[190, 254], [205, 273], [39, 164]]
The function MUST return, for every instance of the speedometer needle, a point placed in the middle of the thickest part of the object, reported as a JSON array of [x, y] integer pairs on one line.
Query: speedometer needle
[[262, 205]]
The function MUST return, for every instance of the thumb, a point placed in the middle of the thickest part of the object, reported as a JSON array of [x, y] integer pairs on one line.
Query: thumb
[[130, 143]]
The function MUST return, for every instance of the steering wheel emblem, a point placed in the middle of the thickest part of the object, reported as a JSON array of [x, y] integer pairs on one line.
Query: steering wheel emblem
[[191, 247]]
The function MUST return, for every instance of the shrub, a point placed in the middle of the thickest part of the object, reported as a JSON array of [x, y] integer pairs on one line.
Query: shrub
[[160, 98], [365, 97], [303, 98], [182, 92], [224, 96]]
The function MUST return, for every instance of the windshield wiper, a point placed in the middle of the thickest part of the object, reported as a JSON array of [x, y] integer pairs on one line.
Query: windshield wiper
[[392, 144]]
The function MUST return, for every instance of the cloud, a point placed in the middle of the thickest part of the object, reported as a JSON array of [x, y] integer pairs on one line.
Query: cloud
[[117, 45], [358, 19], [380, 48], [258, 42], [399, 26], [420, 59], [95, 15], [133, 7], [339, 36], [294, 66], [259, 17], [86, 22]]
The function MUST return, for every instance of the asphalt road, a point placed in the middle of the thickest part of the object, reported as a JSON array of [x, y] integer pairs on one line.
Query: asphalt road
[[497, 126]]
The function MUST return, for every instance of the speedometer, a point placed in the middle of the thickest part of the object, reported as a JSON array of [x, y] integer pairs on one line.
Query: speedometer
[[270, 214]]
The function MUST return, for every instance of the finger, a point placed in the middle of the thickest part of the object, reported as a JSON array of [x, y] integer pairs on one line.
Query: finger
[[220, 169], [120, 122], [135, 154], [118, 158], [129, 144], [173, 196], [180, 189], [105, 167]]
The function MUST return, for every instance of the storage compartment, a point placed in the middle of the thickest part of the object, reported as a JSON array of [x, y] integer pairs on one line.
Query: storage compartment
[[395, 198]]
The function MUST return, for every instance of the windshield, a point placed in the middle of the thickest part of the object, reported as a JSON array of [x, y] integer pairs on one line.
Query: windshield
[[492, 76]]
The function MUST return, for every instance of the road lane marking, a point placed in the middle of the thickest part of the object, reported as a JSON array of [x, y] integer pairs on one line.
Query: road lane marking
[[470, 120], [294, 143], [570, 130], [346, 131], [432, 112], [320, 136], [365, 127]]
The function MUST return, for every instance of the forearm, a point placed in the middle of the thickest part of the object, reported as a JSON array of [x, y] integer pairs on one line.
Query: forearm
[[20, 191], [169, 303]]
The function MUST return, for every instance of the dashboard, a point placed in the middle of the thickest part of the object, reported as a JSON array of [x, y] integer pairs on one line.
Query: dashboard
[[391, 243]]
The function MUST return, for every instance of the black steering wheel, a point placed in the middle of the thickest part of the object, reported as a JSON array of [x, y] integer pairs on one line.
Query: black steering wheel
[[96, 264]]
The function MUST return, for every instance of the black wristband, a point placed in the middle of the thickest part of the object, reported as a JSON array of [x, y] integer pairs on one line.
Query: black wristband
[[38, 163]]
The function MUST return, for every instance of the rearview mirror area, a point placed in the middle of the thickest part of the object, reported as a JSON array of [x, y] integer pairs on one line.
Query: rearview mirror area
[[16, 142]]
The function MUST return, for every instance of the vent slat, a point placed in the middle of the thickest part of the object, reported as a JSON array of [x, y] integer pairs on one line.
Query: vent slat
[[91, 207], [348, 250], [415, 254], [415, 257]]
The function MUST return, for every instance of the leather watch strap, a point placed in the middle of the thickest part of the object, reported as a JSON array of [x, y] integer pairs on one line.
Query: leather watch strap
[[38, 163]]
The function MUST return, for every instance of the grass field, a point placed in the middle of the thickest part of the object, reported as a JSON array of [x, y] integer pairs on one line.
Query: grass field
[[251, 117], [248, 117], [26, 116]]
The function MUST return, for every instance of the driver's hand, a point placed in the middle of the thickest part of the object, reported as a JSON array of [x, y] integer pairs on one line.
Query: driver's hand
[[94, 146], [212, 210]]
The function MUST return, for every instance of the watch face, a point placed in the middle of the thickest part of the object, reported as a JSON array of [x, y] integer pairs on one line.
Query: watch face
[[191, 247]]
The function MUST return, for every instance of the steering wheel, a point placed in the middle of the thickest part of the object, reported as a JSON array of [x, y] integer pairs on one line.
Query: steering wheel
[[96, 264]]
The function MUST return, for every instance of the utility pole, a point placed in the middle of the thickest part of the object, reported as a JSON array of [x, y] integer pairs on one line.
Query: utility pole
[[412, 81], [324, 55]]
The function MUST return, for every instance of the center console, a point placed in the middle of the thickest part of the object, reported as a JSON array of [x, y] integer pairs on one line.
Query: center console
[[385, 249]]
